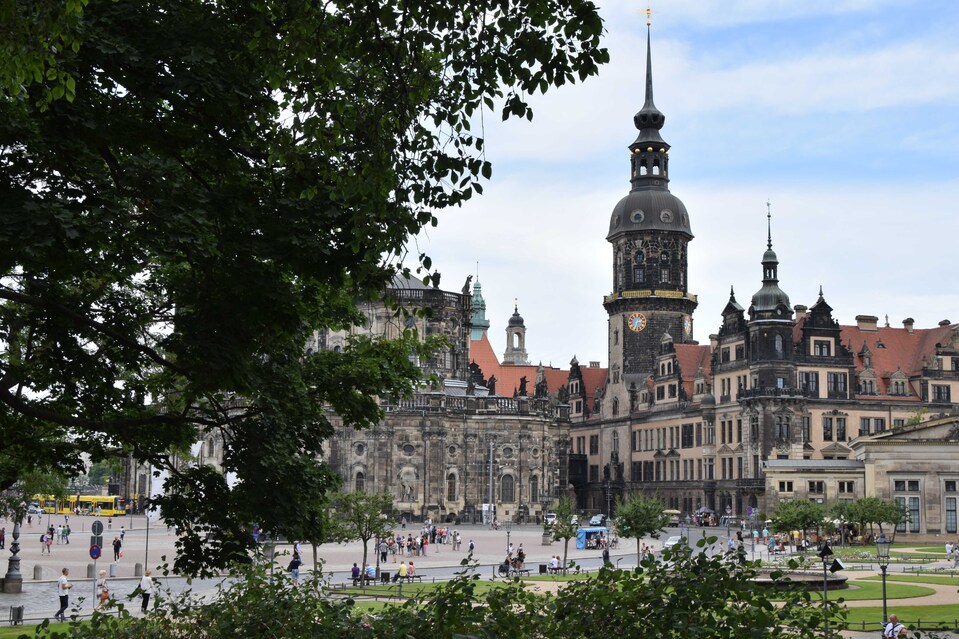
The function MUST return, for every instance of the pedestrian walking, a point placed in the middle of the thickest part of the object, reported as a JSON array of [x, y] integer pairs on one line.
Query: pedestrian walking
[[146, 588], [123, 533], [3, 538], [63, 590], [894, 629], [102, 590], [117, 546], [66, 534], [949, 550], [606, 556], [294, 568]]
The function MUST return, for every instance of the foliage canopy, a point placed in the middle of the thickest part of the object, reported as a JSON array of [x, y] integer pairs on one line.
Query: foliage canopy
[[189, 190]]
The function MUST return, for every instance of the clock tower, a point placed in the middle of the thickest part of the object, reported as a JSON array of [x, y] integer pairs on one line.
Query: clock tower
[[649, 231]]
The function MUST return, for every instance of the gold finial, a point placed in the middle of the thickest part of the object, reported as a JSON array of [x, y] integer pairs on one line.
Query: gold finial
[[649, 13]]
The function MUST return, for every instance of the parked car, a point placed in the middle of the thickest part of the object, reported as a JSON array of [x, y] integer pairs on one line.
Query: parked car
[[574, 520], [675, 540], [549, 519], [598, 520], [34, 509]]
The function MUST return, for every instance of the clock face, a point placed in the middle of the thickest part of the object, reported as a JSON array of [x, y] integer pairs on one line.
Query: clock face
[[636, 322]]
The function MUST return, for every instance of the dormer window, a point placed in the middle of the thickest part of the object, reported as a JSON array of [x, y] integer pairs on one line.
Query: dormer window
[[821, 348]]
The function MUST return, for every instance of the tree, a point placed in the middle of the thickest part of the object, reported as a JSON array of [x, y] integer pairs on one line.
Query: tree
[[873, 510], [639, 516], [563, 528], [190, 190], [798, 514], [363, 516], [101, 472]]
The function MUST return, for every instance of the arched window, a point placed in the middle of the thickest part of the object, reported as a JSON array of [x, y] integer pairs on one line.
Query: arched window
[[507, 490], [615, 442], [211, 447], [639, 268], [615, 406], [664, 267], [359, 485], [534, 489], [779, 344], [451, 487]]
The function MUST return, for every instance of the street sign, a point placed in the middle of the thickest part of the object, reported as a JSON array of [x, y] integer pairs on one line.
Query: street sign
[[95, 552], [97, 527], [96, 540]]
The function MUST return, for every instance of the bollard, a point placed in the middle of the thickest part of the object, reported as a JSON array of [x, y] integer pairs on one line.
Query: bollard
[[113, 570], [90, 571], [37, 572], [137, 569]]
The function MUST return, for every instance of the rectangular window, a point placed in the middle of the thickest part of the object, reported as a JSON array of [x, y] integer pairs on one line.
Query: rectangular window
[[940, 393], [817, 488], [840, 429], [827, 429], [863, 426], [785, 486], [820, 348], [949, 485], [739, 467], [660, 392], [846, 487], [636, 470], [724, 355], [898, 423], [740, 351], [805, 429], [951, 515], [594, 444], [581, 445], [879, 424], [836, 383], [687, 436]]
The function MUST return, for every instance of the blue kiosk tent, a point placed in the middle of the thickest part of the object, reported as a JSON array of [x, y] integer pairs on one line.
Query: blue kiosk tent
[[588, 536]]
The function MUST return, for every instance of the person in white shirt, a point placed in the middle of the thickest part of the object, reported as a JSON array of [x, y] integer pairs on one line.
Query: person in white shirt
[[894, 629], [63, 589], [146, 588]]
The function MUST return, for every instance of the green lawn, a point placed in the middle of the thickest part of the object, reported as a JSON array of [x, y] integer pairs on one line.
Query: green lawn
[[909, 615], [924, 578], [11, 632]]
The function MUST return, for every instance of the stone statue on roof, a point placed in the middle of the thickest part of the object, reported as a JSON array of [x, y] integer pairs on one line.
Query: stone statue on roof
[[491, 384], [466, 287], [522, 386]]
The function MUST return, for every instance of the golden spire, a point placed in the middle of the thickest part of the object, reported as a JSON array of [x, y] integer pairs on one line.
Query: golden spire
[[648, 13]]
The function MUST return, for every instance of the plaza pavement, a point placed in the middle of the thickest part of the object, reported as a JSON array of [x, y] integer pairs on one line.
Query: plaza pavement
[[39, 596]]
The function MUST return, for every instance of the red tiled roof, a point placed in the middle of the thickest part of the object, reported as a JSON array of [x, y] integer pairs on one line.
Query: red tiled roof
[[900, 350], [690, 358], [593, 379], [508, 375]]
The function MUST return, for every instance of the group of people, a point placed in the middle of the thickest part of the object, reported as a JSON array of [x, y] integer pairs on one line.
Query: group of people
[[60, 533], [145, 587], [952, 553]]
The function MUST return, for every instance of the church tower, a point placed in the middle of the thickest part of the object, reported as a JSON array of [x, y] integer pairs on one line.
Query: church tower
[[515, 340], [478, 322], [649, 231]]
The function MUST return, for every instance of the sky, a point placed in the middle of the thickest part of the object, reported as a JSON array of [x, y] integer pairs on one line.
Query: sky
[[842, 114]]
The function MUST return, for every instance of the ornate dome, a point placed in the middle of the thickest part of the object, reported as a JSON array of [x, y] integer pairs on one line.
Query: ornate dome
[[516, 319], [649, 210]]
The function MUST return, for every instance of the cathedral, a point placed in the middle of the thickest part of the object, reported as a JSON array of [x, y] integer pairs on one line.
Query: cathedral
[[783, 403]]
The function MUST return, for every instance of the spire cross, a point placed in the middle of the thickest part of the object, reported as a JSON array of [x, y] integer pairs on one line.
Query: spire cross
[[769, 224], [648, 13]]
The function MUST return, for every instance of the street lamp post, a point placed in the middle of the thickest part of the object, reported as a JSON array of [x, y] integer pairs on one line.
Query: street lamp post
[[825, 553], [509, 526], [882, 556]]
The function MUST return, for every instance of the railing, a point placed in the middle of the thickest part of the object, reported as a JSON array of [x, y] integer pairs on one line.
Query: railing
[[441, 403], [773, 391], [935, 373]]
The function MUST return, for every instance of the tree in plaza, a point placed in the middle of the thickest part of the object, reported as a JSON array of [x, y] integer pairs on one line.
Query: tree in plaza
[[875, 511], [190, 190], [797, 514], [639, 516], [563, 528], [363, 516]]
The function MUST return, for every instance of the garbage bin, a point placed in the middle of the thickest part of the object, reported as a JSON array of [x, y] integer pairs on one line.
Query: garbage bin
[[16, 615], [385, 576], [542, 569], [113, 570]]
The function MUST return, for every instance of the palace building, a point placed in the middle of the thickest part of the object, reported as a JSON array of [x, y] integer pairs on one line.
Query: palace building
[[783, 403]]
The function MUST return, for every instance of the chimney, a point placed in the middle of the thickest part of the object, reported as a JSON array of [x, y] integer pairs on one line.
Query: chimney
[[908, 323], [594, 364], [868, 323], [800, 312]]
